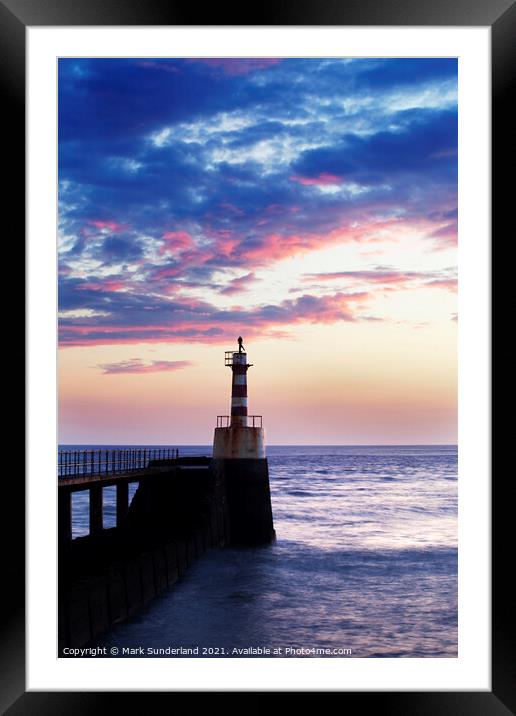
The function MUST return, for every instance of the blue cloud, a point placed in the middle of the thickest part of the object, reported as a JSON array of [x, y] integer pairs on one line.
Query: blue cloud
[[425, 147], [233, 155]]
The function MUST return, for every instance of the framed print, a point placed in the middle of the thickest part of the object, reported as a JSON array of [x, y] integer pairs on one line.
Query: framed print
[[308, 191]]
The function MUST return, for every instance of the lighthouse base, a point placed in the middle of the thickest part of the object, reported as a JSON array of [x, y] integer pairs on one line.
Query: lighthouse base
[[248, 500], [239, 442]]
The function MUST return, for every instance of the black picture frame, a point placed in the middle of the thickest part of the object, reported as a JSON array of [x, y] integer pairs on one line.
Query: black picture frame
[[15, 17]]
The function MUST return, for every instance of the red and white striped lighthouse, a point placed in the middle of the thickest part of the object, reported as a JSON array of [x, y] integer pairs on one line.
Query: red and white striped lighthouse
[[239, 435], [240, 463], [239, 367]]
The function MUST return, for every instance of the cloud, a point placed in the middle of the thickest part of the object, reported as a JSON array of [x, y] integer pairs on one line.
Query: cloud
[[237, 285], [446, 235], [450, 284], [136, 365], [381, 276], [110, 225], [240, 66], [180, 173], [176, 241], [324, 179], [390, 278], [422, 147], [157, 319]]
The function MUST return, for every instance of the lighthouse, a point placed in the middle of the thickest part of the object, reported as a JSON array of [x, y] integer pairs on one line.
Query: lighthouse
[[240, 461]]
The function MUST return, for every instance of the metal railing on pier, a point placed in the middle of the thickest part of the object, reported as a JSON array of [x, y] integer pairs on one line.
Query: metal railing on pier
[[82, 463]]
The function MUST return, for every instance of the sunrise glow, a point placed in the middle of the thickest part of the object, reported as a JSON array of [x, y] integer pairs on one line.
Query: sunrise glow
[[309, 205]]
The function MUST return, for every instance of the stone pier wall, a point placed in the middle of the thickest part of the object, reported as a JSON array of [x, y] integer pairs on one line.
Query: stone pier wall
[[106, 578]]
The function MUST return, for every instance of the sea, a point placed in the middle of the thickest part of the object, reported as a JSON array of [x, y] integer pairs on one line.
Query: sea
[[364, 564]]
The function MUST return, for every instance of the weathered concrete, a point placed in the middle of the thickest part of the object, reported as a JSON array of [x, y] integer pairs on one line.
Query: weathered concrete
[[116, 597], [160, 571], [239, 442], [182, 557], [171, 561], [247, 492], [147, 578], [133, 586], [76, 616], [99, 605]]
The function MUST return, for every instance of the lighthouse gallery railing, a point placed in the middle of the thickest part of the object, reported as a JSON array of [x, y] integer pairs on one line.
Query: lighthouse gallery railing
[[224, 421]]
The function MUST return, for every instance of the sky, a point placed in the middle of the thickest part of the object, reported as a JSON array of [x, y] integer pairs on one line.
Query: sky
[[308, 205]]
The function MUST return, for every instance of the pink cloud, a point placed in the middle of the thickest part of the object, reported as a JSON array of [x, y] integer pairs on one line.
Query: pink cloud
[[176, 241], [323, 179], [200, 322], [165, 273], [111, 225], [276, 246], [379, 276], [239, 65], [451, 152], [136, 365], [219, 233], [226, 206], [105, 285], [237, 285], [276, 209], [446, 236], [392, 279], [449, 284], [232, 249], [152, 65]]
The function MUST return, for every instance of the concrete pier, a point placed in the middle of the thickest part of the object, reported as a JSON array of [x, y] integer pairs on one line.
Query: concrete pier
[[249, 510], [178, 512]]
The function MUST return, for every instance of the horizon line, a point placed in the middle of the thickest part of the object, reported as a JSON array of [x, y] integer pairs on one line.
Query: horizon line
[[275, 444]]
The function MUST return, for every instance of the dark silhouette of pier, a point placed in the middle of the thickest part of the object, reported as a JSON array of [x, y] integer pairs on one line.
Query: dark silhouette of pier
[[183, 506], [177, 513]]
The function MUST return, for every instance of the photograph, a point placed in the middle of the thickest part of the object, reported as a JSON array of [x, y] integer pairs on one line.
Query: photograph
[[258, 287], [257, 357]]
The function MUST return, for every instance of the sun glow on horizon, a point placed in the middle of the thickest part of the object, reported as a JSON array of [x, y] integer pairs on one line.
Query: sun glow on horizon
[[307, 205]]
